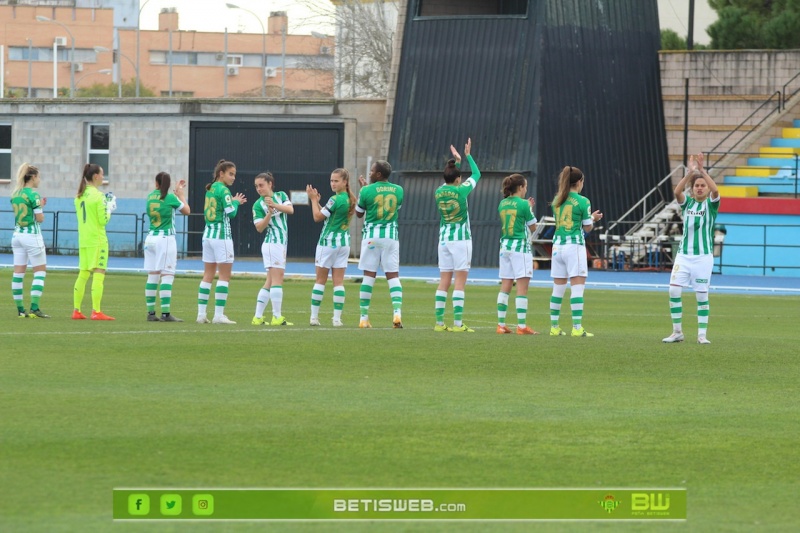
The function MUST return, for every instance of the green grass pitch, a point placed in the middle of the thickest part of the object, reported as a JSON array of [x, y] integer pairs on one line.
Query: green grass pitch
[[89, 406]]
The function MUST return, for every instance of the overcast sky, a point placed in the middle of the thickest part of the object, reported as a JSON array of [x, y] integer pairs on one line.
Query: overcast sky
[[212, 15], [674, 14]]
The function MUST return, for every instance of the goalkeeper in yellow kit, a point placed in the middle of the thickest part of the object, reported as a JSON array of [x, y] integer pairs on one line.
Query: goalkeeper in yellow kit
[[94, 211]]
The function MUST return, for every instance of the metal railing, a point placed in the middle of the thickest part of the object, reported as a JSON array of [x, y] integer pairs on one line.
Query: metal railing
[[648, 206], [792, 164], [786, 97], [658, 252], [776, 99], [126, 234]]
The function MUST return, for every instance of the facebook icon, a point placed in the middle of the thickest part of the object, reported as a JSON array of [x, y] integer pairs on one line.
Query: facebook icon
[[138, 504]]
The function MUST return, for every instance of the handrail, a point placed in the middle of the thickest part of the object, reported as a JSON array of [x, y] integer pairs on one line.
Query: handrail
[[768, 100], [793, 164], [656, 189], [785, 85]]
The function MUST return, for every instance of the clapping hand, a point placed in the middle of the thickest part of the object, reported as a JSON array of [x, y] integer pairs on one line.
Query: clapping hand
[[455, 153], [239, 197]]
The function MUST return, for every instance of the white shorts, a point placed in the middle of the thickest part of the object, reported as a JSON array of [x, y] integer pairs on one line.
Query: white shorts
[[455, 255], [515, 265], [274, 255], [692, 271], [383, 253], [28, 247], [217, 251], [568, 261], [160, 254], [330, 257]]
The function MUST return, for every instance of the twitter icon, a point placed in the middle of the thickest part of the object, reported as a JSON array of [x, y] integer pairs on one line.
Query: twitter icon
[[171, 504]]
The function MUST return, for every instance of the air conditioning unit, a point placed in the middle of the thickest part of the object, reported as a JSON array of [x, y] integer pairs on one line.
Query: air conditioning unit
[[220, 56], [77, 67], [233, 71], [270, 72], [324, 50], [61, 41]]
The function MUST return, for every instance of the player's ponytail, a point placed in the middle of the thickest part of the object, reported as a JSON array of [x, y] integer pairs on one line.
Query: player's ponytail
[[222, 166], [89, 171], [163, 181], [511, 184], [345, 175], [25, 174], [569, 176]]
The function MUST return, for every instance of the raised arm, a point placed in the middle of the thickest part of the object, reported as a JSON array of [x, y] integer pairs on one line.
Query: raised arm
[[180, 192], [316, 209], [681, 186], [712, 187]]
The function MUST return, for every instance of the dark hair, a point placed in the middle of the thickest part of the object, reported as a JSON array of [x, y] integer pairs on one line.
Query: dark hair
[[163, 181], [569, 176], [266, 176], [222, 166], [89, 171], [25, 174], [343, 172], [451, 172], [383, 167], [512, 184]]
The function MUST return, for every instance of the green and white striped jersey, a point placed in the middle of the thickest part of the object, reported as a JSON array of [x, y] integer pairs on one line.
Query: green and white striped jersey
[[26, 205], [698, 225], [219, 208], [451, 200], [516, 218], [570, 218], [277, 231], [380, 202], [336, 231], [162, 212]]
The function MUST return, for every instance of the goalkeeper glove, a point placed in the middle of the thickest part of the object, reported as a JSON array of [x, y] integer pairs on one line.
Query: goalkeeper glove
[[111, 202]]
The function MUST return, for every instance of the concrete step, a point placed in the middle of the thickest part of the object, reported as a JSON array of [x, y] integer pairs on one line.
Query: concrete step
[[738, 191], [768, 185], [785, 143], [791, 133], [778, 162], [778, 151], [756, 171]]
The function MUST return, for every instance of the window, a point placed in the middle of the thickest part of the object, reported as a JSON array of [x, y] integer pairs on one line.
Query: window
[[5, 153], [235, 60], [98, 142], [466, 8], [177, 94]]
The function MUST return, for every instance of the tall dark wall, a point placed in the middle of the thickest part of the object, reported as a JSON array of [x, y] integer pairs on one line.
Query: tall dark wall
[[601, 96], [572, 82]]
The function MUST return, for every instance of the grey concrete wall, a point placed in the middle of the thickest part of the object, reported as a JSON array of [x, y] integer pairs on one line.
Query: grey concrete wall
[[147, 137], [725, 87]]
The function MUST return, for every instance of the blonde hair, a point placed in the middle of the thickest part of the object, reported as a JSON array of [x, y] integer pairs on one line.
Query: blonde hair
[[25, 173], [345, 174]]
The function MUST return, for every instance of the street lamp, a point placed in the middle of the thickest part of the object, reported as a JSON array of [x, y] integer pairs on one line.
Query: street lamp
[[138, 24], [263, 48], [103, 49], [42, 18], [101, 71]]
